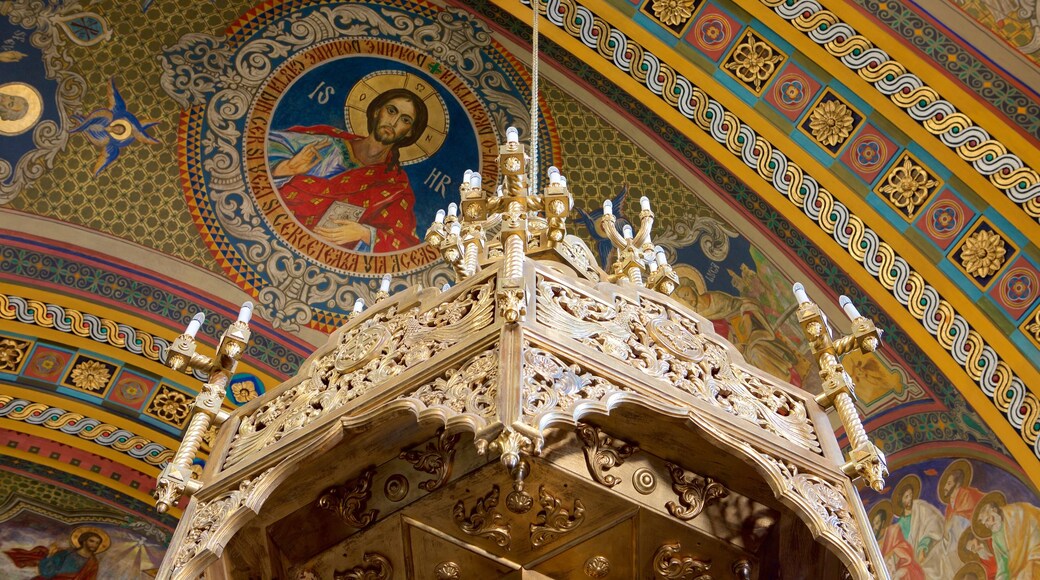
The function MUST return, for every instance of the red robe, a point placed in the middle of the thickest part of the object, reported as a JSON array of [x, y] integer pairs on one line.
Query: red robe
[[899, 555], [962, 502], [383, 193], [27, 558]]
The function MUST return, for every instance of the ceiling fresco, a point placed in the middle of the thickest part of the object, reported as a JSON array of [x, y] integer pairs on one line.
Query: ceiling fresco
[[165, 157]]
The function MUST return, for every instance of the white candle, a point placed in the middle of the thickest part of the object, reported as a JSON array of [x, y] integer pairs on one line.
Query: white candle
[[608, 207], [466, 175], [554, 175], [662, 258], [651, 265], [384, 284], [439, 218], [644, 203], [359, 305], [453, 209], [626, 231], [246, 312], [455, 228], [195, 324], [799, 293], [446, 287], [512, 135], [563, 181], [474, 179], [848, 307]]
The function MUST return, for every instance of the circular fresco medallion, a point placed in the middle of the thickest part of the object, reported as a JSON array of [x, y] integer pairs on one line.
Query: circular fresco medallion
[[21, 106], [316, 156]]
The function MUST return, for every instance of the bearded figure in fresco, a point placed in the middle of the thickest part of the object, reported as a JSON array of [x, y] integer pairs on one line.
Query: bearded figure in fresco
[[910, 545], [1014, 532], [955, 491], [77, 563], [350, 189]]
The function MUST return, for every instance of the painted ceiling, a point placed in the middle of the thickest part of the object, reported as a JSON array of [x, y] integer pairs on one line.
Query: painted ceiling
[[881, 150]]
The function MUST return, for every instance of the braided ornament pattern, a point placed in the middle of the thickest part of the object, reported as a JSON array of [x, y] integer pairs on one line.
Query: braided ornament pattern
[[967, 347]]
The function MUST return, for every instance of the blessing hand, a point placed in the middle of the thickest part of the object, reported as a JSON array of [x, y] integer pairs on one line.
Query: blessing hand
[[345, 232], [304, 160]]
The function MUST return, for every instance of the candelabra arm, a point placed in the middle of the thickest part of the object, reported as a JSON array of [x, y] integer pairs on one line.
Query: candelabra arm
[[608, 223], [865, 460], [642, 237], [176, 479]]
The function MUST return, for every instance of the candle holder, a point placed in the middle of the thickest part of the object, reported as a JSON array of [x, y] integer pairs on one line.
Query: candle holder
[[176, 478], [866, 460]]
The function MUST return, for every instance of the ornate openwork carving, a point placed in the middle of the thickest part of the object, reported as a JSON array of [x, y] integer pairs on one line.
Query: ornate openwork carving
[[553, 520], [209, 515], [550, 384], [666, 345], [348, 501], [603, 452], [436, 459], [376, 567], [667, 565], [369, 354], [827, 500], [483, 520], [472, 388], [694, 492]]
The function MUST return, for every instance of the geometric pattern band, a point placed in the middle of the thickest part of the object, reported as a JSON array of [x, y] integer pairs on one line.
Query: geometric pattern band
[[86, 428], [86, 325], [967, 347], [956, 130]]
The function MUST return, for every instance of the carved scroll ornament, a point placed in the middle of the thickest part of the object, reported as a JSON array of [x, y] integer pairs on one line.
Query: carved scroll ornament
[[367, 355], [484, 520], [554, 520], [437, 459], [348, 501], [694, 492], [602, 453], [376, 567], [667, 345], [667, 564]]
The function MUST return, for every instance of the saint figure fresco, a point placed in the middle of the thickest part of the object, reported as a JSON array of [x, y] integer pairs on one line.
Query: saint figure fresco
[[1014, 533], [76, 563], [347, 188]]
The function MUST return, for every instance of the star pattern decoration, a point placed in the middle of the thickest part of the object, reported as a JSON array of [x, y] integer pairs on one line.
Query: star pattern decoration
[[113, 129]]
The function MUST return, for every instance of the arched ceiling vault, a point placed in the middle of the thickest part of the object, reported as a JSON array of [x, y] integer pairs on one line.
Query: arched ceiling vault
[[874, 149], [690, 82]]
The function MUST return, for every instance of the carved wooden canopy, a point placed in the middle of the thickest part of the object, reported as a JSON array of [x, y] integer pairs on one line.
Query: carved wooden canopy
[[607, 433]]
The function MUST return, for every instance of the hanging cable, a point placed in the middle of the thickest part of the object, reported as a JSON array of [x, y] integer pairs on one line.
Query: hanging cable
[[534, 96]]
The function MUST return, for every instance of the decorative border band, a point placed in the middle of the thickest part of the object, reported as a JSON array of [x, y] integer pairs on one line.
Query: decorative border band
[[98, 329], [990, 158], [977, 358], [981, 78], [103, 434]]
